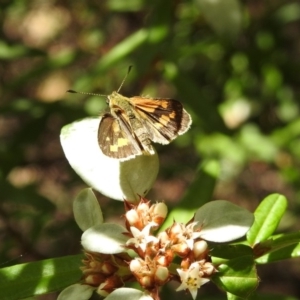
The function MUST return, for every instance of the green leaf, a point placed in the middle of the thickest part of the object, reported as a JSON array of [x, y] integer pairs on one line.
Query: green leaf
[[267, 217], [36, 278], [217, 226], [87, 211], [76, 291], [128, 294], [223, 253], [233, 297], [105, 238], [283, 246], [238, 276]]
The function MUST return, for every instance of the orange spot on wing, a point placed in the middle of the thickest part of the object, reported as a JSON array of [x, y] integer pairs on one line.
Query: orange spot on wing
[[164, 120]]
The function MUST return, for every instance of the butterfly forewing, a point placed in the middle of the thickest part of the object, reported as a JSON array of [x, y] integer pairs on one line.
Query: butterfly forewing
[[164, 119]]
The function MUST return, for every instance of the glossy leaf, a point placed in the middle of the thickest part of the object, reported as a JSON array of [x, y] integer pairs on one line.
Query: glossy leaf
[[104, 238], [285, 246], [238, 276], [128, 294], [267, 217], [222, 221], [38, 278]]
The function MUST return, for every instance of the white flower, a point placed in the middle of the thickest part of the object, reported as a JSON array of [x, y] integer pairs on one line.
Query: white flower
[[182, 233], [141, 237], [191, 235], [191, 279]]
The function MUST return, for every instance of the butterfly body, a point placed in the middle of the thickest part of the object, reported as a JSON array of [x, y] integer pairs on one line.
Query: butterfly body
[[132, 123]]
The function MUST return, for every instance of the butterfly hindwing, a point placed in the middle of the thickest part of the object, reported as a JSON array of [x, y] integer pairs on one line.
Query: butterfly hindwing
[[114, 140]]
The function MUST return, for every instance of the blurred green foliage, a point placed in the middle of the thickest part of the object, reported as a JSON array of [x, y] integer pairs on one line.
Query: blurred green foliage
[[233, 64]]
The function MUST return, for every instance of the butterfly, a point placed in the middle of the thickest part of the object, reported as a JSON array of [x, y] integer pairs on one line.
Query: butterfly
[[132, 124]]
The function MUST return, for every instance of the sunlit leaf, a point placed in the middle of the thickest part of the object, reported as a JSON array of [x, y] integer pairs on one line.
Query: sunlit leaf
[[238, 276], [36, 278], [128, 294], [105, 238], [284, 246], [222, 221], [114, 178], [267, 217]]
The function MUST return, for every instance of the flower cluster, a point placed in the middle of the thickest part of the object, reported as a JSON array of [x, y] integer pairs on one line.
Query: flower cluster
[[105, 272], [139, 251], [153, 263]]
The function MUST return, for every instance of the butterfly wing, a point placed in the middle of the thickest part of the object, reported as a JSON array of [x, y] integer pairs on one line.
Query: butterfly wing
[[115, 139], [165, 119]]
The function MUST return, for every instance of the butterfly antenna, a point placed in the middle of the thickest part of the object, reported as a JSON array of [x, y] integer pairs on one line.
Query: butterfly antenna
[[128, 71], [83, 93]]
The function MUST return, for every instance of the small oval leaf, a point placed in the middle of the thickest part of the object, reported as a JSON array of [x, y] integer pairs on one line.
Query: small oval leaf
[[221, 221], [128, 294], [76, 291], [105, 238], [87, 211]]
